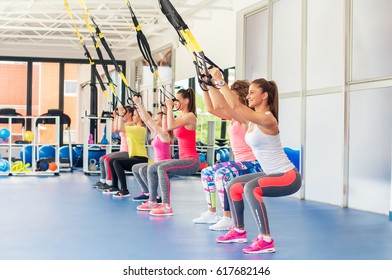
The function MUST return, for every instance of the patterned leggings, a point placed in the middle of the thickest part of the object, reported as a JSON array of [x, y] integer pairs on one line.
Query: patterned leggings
[[217, 177]]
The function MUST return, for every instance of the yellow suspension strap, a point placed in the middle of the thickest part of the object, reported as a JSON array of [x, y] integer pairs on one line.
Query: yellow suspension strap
[[200, 60], [145, 49], [89, 57], [110, 53]]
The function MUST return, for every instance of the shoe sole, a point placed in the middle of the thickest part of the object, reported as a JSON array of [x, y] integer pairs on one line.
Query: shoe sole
[[105, 192], [140, 200], [123, 196], [219, 229], [265, 251], [165, 214], [207, 223], [242, 240], [138, 209]]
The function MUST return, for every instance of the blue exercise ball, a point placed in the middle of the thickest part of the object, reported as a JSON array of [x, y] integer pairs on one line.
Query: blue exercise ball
[[293, 155], [4, 133], [47, 151], [227, 154], [64, 153], [26, 154], [4, 165], [202, 157]]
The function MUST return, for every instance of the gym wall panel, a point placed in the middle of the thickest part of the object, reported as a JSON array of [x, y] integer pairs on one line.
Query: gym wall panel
[[325, 44], [324, 148], [256, 45], [370, 149], [286, 45], [290, 122], [372, 39]]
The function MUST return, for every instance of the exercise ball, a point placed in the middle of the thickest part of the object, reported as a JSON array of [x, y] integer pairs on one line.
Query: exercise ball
[[4, 165], [47, 151], [26, 154], [294, 156], [4, 133], [203, 165], [202, 157], [42, 165], [28, 136], [64, 154], [52, 166]]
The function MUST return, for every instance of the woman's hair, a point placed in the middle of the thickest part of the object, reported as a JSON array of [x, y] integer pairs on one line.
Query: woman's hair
[[129, 109], [273, 99], [241, 87], [190, 94]]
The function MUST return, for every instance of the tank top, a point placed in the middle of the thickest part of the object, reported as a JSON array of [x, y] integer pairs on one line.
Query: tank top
[[186, 142], [136, 137], [240, 149], [124, 144], [268, 151], [161, 149]]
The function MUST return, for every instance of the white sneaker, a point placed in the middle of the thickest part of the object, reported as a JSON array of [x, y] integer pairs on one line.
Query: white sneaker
[[207, 217], [223, 224]]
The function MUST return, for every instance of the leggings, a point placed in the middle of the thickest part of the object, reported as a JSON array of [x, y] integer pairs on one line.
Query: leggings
[[159, 173], [255, 186], [216, 177], [104, 163], [139, 172], [120, 165]]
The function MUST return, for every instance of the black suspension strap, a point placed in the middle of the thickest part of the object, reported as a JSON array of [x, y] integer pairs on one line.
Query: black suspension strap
[[147, 55], [104, 43], [201, 61]]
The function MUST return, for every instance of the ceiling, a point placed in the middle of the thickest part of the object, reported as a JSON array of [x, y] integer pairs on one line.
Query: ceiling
[[46, 23]]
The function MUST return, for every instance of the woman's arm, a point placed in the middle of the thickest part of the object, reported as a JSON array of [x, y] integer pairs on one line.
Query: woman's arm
[[150, 123], [188, 120], [213, 108]]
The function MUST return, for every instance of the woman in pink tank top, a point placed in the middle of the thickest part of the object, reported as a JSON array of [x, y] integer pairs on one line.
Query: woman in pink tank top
[[161, 146], [159, 173]]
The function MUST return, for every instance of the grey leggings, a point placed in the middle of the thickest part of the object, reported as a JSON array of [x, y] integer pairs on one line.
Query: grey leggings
[[139, 171], [159, 173], [255, 186], [104, 163]]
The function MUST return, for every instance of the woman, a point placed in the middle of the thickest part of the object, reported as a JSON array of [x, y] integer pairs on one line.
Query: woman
[[215, 178], [161, 145], [159, 173], [279, 176], [137, 153], [107, 160]]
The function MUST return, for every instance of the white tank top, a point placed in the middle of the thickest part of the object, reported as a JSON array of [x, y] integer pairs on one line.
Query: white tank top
[[268, 151]]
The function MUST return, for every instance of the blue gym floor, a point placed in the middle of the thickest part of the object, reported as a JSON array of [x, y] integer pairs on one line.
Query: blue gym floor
[[64, 218]]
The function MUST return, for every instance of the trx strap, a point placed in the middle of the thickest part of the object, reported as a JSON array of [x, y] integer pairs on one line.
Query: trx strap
[[89, 57], [110, 54], [200, 60], [145, 49]]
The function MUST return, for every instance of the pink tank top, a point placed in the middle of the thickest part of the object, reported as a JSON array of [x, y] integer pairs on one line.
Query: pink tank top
[[161, 149], [186, 142], [124, 143], [241, 150]]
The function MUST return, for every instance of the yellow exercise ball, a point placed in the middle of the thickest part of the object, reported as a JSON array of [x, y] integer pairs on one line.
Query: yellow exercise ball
[[28, 136]]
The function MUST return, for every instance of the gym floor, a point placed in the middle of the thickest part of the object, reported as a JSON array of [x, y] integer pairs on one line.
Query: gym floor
[[64, 218]]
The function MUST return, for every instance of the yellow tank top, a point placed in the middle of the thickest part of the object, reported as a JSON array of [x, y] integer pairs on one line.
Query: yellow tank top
[[136, 137]]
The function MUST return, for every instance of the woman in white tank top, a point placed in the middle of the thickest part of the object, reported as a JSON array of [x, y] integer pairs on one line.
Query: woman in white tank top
[[279, 176]]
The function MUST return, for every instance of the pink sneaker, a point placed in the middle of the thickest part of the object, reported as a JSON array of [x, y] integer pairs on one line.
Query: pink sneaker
[[147, 206], [260, 246], [162, 210], [233, 236]]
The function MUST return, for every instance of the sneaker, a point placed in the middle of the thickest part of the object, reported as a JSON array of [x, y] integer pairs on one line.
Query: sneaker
[[147, 206], [162, 210], [141, 197], [104, 186], [159, 199], [121, 194], [111, 190], [224, 223], [207, 217], [260, 246], [98, 184], [233, 236]]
